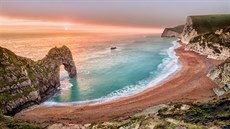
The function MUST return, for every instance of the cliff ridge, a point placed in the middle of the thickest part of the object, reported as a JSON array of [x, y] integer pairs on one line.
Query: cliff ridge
[[173, 32]]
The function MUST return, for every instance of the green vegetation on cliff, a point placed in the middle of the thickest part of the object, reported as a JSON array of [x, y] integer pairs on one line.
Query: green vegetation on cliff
[[210, 23], [212, 113], [10, 123], [197, 115], [24, 82], [11, 71]]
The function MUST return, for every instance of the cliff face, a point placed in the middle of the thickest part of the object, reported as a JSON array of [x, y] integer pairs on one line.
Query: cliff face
[[199, 25], [215, 45], [210, 35], [221, 74], [173, 32], [24, 82]]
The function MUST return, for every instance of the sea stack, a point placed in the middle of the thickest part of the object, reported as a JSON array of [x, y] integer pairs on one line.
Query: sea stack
[[24, 82]]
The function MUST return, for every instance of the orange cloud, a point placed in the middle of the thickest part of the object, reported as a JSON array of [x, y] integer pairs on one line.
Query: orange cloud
[[35, 26]]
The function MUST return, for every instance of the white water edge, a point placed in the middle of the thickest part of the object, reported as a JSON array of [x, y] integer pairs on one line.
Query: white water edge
[[165, 70]]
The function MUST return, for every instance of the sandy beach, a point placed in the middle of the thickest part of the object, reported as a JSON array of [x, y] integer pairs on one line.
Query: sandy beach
[[189, 84]]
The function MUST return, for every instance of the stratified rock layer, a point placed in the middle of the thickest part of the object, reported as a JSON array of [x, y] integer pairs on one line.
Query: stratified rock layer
[[24, 82]]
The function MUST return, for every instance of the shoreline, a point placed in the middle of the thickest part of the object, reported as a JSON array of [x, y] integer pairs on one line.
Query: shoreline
[[191, 80], [160, 78]]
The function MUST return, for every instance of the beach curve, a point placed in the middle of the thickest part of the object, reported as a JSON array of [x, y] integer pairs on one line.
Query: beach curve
[[193, 86], [169, 66]]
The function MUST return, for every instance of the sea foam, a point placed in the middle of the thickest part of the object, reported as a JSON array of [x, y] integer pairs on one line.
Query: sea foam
[[170, 66]]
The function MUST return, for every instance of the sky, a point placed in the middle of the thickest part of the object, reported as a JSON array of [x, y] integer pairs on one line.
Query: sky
[[144, 14]]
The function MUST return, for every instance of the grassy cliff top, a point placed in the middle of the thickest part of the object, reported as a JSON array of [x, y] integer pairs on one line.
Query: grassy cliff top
[[11, 123], [210, 23], [178, 28]]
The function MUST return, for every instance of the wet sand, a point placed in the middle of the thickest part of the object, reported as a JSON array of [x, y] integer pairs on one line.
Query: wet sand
[[187, 85]]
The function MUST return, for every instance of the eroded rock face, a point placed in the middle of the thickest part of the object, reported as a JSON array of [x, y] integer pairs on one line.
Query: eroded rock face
[[24, 82], [173, 32], [189, 31], [210, 35], [221, 74], [203, 24], [215, 45]]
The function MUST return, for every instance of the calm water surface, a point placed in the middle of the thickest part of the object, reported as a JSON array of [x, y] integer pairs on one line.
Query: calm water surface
[[139, 62]]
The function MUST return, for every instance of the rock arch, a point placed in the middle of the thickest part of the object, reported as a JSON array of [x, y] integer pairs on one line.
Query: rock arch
[[24, 82]]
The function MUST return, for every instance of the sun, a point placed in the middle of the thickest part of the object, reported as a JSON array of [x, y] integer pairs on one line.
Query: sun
[[66, 29]]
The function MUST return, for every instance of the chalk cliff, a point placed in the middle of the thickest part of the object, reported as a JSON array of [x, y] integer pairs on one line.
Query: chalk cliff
[[215, 45], [221, 74], [24, 82], [202, 24], [210, 35], [173, 32]]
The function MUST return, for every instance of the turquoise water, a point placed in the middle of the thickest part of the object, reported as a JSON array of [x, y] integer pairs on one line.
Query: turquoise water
[[139, 62]]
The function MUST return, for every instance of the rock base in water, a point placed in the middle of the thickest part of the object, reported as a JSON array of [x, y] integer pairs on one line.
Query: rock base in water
[[24, 82]]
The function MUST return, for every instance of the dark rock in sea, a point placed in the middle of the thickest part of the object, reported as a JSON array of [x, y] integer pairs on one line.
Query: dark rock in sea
[[24, 82], [113, 48], [173, 32]]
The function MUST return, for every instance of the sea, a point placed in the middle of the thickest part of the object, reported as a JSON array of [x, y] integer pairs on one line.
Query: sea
[[139, 62]]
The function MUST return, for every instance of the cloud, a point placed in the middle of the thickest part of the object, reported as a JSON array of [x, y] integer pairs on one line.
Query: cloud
[[139, 13]]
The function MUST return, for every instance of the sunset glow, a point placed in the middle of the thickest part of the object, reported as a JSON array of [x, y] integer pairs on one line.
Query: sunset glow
[[114, 64], [9, 25]]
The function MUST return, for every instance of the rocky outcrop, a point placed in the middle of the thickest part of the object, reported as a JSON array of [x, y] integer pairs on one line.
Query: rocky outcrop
[[205, 34], [210, 35], [24, 82], [215, 45], [221, 74], [173, 32], [199, 25]]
